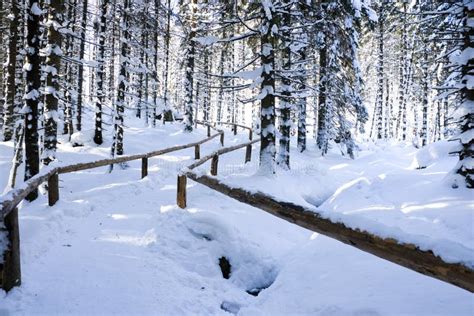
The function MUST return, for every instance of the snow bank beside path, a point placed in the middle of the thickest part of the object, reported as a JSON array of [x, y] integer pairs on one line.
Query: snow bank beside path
[[391, 190]]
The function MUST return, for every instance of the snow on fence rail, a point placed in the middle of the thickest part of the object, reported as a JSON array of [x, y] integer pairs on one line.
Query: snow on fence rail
[[407, 255], [10, 269]]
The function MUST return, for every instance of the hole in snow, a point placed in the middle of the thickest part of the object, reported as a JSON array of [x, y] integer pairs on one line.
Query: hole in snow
[[226, 267]]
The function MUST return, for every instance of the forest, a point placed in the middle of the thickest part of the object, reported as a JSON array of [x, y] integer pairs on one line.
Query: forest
[[357, 121]]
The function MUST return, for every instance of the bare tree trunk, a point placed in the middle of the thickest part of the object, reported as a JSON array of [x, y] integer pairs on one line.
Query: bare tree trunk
[[32, 96], [8, 114], [53, 62], [267, 111], [166, 110], [100, 72], [285, 101], [80, 73], [117, 146]]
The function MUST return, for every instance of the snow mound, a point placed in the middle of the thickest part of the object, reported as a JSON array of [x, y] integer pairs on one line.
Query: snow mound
[[430, 154], [79, 139]]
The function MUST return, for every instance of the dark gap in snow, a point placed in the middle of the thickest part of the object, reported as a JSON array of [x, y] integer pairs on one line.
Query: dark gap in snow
[[200, 235], [225, 267], [420, 167], [255, 291], [230, 307]]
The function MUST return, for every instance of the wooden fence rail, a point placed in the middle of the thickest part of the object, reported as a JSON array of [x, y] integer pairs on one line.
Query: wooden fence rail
[[10, 270], [235, 126]]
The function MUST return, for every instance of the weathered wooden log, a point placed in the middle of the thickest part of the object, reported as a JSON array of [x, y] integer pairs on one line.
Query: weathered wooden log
[[53, 189], [181, 192], [406, 255], [248, 153], [214, 163], [208, 131], [16, 196], [197, 152], [144, 167], [10, 269]]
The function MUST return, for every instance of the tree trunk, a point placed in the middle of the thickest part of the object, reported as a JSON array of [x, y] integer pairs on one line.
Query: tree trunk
[[323, 137], [80, 72], [424, 127], [32, 96], [53, 62], [117, 146], [9, 95], [380, 74], [285, 101], [68, 128], [189, 73], [267, 111], [465, 165], [167, 61], [301, 103], [100, 72]]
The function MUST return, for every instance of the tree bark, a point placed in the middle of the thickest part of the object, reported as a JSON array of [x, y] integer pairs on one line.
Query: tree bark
[[33, 82], [80, 72], [53, 63], [9, 95]]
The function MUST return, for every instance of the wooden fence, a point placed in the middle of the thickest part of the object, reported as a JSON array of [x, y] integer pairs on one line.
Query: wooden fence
[[10, 268]]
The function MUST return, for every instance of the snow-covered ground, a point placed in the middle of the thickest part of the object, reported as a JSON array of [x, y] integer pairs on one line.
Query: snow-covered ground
[[118, 245], [391, 189]]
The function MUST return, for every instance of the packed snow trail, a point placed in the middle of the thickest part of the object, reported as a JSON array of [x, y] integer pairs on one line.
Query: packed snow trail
[[114, 244]]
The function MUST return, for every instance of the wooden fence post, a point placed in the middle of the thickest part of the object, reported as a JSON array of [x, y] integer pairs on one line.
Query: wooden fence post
[[248, 153], [235, 129], [197, 152], [10, 269], [250, 134], [208, 131], [144, 167], [181, 194], [222, 139], [53, 189], [214, 162]]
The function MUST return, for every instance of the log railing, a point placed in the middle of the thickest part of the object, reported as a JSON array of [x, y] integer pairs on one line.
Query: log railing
[[405, 254], [235, 126], [10, 270]]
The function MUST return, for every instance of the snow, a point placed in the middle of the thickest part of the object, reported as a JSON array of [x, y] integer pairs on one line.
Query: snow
[[115, 244], [35, 9], [207, 40], [383, 192], [33, 94]]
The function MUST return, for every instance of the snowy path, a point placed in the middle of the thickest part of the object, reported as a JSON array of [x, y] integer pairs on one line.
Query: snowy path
[[116, 245]]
